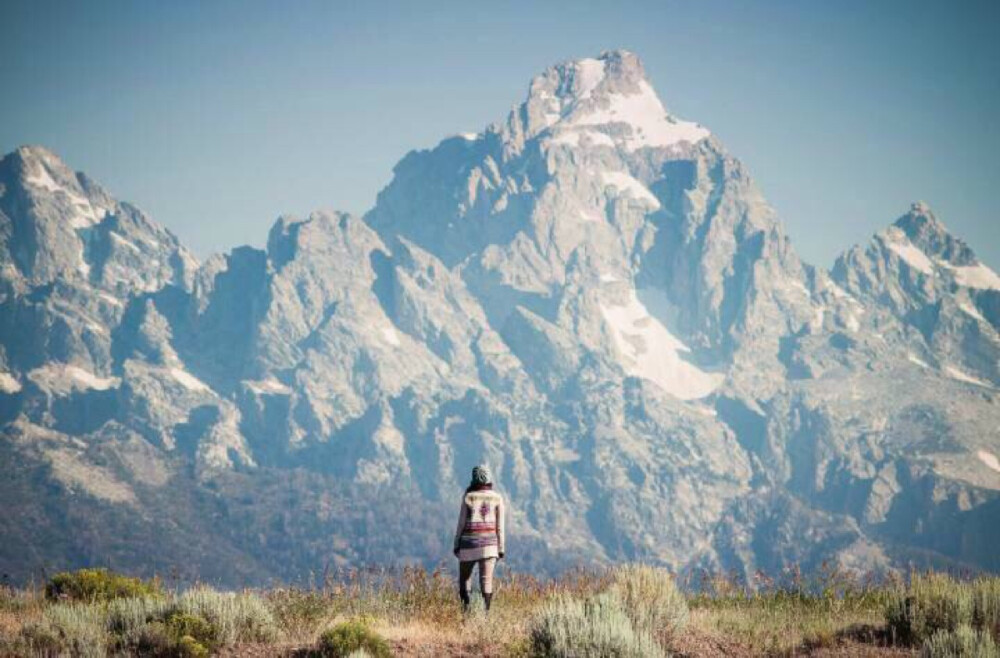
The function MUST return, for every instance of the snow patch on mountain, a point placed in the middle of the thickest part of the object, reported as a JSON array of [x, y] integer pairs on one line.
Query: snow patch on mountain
[[9, 383], [573, 137], [626, 183], [111, 299], [268, 386], [976, 276], [647, 119], [971, 311], [612, 92], [819, 315], [958, 375], [62, 377], [85, 214], [648, 350], [913, 257], [187, 380], [589, 73], [88, 379], [390, 336], [800, 287], [851, 322], [128, 244], [41, 179], [989, 459]]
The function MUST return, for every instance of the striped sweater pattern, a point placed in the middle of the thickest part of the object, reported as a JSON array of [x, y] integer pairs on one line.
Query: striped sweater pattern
[[480, 531]]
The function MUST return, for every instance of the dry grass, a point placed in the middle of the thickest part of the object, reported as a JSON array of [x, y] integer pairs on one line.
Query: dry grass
[[781, 630], [418, 613]]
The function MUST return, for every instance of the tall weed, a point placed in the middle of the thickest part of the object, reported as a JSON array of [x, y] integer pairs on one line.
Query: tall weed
[[651, 598]]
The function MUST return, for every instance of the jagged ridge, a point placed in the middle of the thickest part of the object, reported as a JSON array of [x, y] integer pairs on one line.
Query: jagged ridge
[[591, 295]]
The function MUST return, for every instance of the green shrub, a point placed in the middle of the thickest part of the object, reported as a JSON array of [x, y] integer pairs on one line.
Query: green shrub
[[300, 614], [93, 585], [931, 603], [237, 618], [963, 642], [181, 625], [347, 638], [188, 647], [150, 639], [127, 618], [986, 605], [651, 598], [938, 602], [599, 626], [159, 626], [75, 629], [183, 636]]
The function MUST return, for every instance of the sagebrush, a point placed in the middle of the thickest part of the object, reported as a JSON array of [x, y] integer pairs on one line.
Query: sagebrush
[[351, 638], [963, 642], [629, 610], [596, 626], [939, 602]]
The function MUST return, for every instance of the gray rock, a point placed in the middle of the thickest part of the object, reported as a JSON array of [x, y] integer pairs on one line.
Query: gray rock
[[591, 296]]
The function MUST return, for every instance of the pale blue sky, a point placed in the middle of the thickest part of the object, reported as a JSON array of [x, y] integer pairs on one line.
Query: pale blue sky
[[215, 117]]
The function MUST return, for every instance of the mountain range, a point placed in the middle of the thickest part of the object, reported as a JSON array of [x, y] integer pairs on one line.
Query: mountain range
[[590, 295]]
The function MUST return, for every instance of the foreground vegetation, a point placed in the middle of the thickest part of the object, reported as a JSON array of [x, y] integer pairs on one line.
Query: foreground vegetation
[[630, 611]]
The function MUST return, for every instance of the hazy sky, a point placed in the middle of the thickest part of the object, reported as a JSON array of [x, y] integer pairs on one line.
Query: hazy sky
[[215, 117]]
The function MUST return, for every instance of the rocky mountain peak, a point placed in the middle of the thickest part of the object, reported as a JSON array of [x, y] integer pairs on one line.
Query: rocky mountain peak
[[608, 97], [578, 79], [919, 248], [594, 298], [932, 285], [42, 176], [29, 158], [928, 234], [34, 154]]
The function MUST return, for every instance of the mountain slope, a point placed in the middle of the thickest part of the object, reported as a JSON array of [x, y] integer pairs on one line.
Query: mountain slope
[[591, 295]]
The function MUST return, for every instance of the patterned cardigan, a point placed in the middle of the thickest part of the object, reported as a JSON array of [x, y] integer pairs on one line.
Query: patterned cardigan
[[480, 531]]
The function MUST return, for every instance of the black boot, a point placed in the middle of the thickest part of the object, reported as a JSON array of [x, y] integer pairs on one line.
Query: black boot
[[465, 600], [487, 599]]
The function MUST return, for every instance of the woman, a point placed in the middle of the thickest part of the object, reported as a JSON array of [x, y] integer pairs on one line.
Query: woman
[[479, 538]]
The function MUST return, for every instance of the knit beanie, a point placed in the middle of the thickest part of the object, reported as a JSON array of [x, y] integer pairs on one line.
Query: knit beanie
[[481, 475]]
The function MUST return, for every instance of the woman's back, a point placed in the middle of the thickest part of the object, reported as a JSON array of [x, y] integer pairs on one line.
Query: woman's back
[[479, 536], [481, 529]]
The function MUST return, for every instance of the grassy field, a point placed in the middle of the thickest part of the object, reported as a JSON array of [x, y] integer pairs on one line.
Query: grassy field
[[627, 611]]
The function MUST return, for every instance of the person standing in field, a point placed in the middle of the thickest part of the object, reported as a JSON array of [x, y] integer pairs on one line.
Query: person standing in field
[[479, 538]]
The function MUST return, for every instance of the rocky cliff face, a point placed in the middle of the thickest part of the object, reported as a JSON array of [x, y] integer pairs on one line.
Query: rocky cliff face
[[591, 295]]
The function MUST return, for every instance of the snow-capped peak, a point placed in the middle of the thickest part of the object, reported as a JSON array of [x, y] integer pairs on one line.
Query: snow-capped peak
[[898, 242], [923, 242], [43, 175], [922, 227], [610, 96]]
